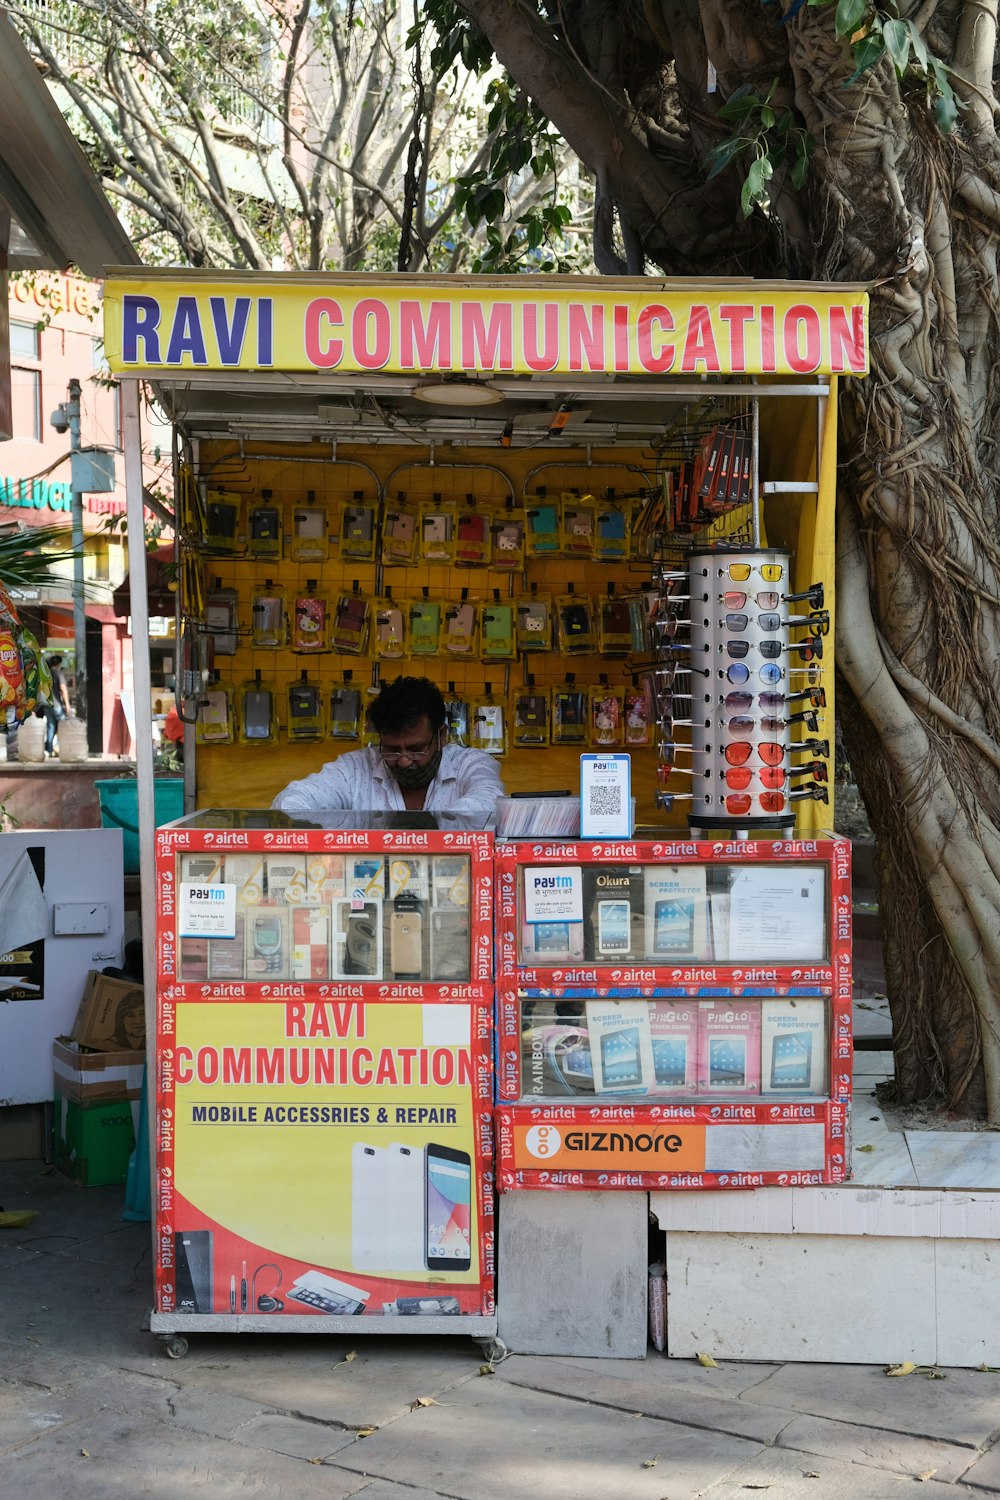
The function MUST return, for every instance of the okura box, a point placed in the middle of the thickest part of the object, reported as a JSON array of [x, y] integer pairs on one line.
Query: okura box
[[729, 1047]]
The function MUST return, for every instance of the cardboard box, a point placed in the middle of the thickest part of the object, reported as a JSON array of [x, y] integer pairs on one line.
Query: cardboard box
[[310, 942], [85, 1076], [111, 1017], [93, 1142]]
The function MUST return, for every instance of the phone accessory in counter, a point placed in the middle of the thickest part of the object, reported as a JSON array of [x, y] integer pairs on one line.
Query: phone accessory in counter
[[461, 625], [310, 540], [213, 724], [222, 521], [507, 539], [310, 620], [305, 709], [497, 637], [449, 944], [389, 640], [620, 1046], [400, 533], [450, 879], [472, 535], [350, 623], [425, 626], [264, 530], [345, 710], [266, 937], [310, 942], [406, 937], [357, 939], [531, 716], [268, 615], [222, 621], [437, 531], [258, 713], [489, 724], [456, 718], [359, 528]]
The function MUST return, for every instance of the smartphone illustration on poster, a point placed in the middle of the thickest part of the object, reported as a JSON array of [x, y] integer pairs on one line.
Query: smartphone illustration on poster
[[673, 927], [614, 922], [448, 1209], [369, 1206], [405, 1220]]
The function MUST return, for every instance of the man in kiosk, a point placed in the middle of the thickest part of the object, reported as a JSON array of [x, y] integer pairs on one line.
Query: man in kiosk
[[411, 768]]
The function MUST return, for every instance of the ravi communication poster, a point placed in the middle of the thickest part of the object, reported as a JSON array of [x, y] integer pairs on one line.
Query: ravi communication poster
[[323, 1157]]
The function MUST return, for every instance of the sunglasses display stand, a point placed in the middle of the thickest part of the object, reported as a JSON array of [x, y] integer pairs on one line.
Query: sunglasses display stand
[[743, 662]]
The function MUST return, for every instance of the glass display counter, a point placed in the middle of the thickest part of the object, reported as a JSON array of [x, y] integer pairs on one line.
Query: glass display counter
[[323, 1075], [673, 1014]]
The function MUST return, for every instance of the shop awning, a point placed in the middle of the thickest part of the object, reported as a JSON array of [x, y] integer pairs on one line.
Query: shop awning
[[161, 597]]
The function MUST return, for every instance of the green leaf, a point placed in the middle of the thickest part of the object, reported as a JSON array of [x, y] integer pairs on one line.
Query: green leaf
[[869, 51], [946, 110], [800, 170], [767, 117], [850, 14], [723, 155], [739, 105], [897, 43], [918, 44]]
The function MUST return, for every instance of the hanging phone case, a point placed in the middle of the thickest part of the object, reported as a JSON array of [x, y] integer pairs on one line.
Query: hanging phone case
[[456, 718], [358, 531], [310, 623], [569, 716], [578, 526], [425, 627], [534, 623], [605, 717], [638, 716], [489, 727], [576, 624], [214, 722], [267, 612], [345, 712], [305, 711], [222, 521], [264, 531], [390, 630], [614, 627], [258, 721], [399, 536], [541, 538], [472, 545], [460, 629], [497, 638], [222, 621], [507, 538], [437, 535], [350, 625], [531, 718], [611, 535], [309, 541]]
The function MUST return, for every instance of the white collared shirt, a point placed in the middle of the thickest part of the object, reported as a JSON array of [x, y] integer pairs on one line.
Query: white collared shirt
[[467, 782]]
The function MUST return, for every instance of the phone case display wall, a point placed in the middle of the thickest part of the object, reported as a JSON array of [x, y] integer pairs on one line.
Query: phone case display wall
[[673, 1014], [744, 690], [323, 1130]]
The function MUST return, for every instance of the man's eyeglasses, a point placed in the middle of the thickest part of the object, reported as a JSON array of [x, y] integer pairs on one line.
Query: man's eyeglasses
[[408, 752]]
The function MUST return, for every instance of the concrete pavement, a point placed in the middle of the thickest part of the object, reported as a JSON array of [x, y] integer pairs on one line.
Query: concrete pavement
[[91, 1409]]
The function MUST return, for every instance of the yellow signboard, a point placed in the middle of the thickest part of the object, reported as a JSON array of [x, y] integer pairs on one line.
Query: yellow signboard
[[524, 325]]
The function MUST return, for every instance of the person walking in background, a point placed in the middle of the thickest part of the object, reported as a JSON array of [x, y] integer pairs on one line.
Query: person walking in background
[[58, 707]]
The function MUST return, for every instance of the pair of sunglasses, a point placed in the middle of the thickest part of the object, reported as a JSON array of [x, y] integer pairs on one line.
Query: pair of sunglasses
[[740, 572], [740, 751], [738, 803], [739, 673], [818, 622], [740, 777], [739, 621], [740, 702], [767, 599], [812, 793], [740, 724]]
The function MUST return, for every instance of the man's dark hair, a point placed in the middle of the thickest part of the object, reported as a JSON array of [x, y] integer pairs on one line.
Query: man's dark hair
[[55, 661], [402, 703]]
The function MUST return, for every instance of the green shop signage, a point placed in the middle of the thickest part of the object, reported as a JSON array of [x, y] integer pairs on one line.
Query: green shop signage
[[36, 494]]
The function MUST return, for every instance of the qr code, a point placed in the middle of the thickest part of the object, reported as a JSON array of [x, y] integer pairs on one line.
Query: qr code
[[606, 802]]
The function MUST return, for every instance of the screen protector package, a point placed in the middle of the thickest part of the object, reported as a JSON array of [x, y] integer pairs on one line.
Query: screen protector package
[[621, 1048]]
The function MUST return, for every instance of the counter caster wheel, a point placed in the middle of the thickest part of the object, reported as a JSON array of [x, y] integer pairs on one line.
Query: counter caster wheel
[[494, 1349], [174, 1346]]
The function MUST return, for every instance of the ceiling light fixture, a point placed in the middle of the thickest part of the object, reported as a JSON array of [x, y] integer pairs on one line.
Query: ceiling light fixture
[[457, 390]]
